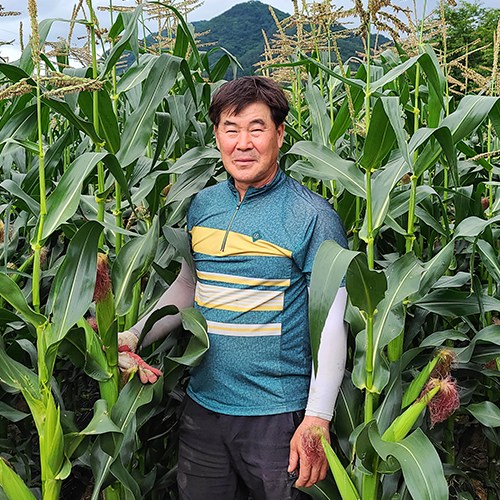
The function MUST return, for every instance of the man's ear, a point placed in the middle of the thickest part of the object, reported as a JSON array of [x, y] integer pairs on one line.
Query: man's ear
[[281, 134]]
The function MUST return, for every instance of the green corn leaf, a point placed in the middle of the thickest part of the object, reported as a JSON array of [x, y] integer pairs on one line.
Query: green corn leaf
[[63, 108], [128, 23], [489, 257], [470, 113], [12, 484], [453, 303], [20, 126], [486, 412], [430, 154], [436, 89], [96, 364], [124, 414], [14, 296], [14, 73], [11, 414], [108, 124], [439, 338], [344, 482], [434, 269], [126, 480], [426, 63], [135, 74], [329, 267], [199, 343], [306, 60], [26, 60], [473, 226], [220, 68], [181, 43], [393, 112], [420, 463], [379, 139], [323, 490], [318, 115], [328, 165], [346, 417], [403, 278], [343, 119], [64, 200], [488, 335], [164, 125], [366, 287], [189, 159], [138, 126], [382, 186], [30, 183], [389, 409], [179, 112], [19, 377], [101, 423], [73, 287], [132, 263], [191, 182]]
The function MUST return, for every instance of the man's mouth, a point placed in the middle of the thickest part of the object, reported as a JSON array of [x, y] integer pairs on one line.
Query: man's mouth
[[244, 160]]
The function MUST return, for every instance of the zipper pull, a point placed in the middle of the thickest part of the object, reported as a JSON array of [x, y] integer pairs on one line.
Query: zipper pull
[[224, 241]]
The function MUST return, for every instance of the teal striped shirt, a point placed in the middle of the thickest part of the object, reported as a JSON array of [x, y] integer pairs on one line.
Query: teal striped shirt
[[253, 262]]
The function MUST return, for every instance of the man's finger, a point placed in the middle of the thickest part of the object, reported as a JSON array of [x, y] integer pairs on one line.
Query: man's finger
[[293, 460], [314, 473], [304, 473]]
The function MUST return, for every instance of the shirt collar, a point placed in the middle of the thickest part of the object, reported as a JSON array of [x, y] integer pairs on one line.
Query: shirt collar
[[257, 191]]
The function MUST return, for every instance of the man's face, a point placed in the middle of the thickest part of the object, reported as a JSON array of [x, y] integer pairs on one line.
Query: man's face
[[249, 144]]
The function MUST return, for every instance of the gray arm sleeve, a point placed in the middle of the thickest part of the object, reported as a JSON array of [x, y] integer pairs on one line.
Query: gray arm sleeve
[[332, 354], [180, 294]]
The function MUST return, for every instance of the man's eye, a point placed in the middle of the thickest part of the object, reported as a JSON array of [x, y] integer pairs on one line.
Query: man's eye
[[257, 130]]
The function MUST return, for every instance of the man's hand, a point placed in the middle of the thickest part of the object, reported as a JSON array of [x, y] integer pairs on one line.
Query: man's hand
[[129, 362], [129, 339], [306, 451]]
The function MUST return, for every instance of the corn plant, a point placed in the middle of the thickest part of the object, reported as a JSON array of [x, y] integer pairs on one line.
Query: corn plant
[[85, 158], [408, 181]]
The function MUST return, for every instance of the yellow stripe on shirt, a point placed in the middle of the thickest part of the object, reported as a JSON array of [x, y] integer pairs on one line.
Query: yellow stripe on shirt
[[241, 280], [208, 241]]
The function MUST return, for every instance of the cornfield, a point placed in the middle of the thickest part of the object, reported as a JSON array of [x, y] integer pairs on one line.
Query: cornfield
[[99, 162]]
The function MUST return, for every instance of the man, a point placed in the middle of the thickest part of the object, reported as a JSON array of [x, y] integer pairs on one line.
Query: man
[[244, 431]]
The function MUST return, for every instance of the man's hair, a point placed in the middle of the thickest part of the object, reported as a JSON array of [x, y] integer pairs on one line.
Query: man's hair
[[236, 95]]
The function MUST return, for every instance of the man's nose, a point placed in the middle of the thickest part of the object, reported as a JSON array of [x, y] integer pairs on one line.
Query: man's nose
[[244, 141]]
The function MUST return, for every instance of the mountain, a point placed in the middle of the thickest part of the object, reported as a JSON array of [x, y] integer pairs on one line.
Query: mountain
[[239, 30]]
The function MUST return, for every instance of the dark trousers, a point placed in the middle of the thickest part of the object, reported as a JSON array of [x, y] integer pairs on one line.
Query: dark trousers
[[223, 457]]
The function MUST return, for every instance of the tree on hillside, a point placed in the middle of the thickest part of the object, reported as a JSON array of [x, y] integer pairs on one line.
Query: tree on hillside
[[471, 30]]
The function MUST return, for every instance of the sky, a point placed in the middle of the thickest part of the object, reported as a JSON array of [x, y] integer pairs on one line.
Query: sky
[[9, 26]]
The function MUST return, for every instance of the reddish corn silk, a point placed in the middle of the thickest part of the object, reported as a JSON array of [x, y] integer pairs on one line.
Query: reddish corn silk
[[311, 443], [103, 280], [445, 402], [93, 323], [443, 367], [491, 364]]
